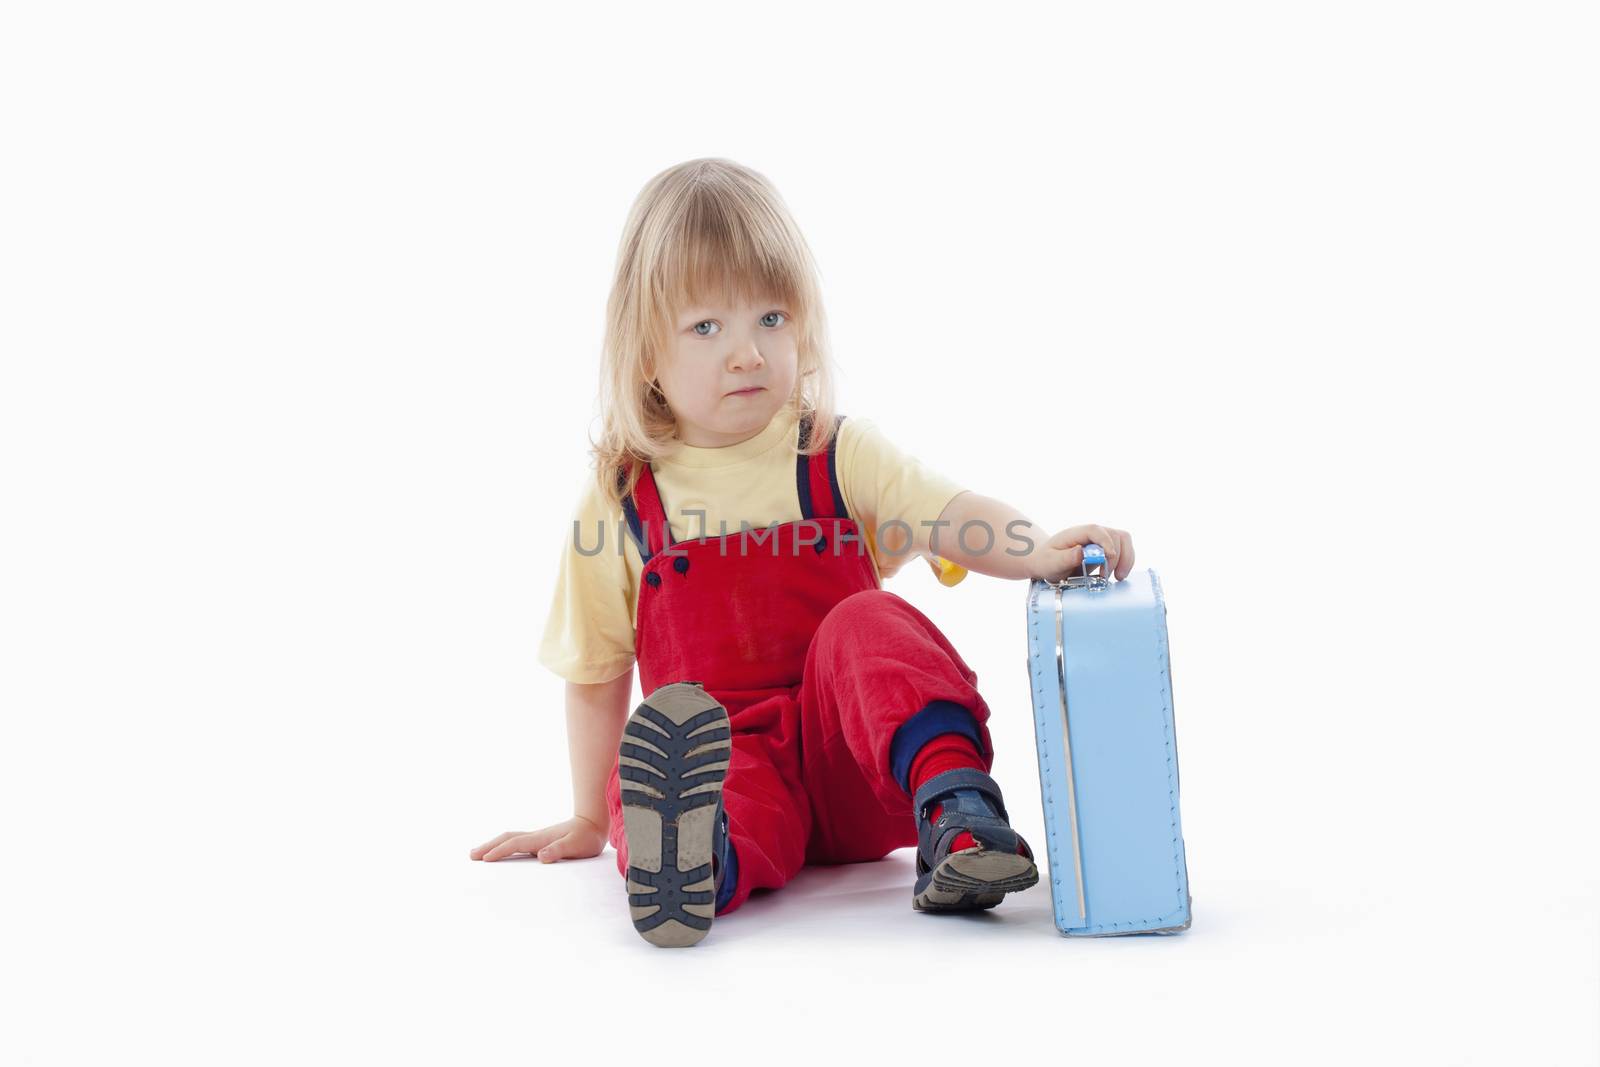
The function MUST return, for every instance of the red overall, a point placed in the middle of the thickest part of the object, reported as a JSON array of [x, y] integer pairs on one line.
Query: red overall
[[816, 664]]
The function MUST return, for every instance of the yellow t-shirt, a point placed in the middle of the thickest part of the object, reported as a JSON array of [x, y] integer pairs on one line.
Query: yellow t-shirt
[[588, 636]]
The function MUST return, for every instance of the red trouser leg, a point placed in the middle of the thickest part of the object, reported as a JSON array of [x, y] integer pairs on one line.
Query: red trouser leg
[[809, 778], [875, 662], [769, 819]]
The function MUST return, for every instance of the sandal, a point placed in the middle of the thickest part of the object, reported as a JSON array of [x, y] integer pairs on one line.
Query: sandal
[[979, 875], [671, 765]]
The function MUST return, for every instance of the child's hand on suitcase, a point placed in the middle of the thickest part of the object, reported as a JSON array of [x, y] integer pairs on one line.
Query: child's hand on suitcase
[[577, 838], [1062, 556]]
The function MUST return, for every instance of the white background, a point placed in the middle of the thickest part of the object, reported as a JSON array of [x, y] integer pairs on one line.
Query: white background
[[301, 307]]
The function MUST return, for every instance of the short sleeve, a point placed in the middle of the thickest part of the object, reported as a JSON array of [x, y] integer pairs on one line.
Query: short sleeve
[[882, 484], [588, 635]]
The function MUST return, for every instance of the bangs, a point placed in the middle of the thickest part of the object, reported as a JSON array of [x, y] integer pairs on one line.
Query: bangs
[[725, 250]]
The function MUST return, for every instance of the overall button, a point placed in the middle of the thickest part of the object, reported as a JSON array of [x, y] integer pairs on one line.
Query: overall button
[[653, 578], [822, 545], [681, 564]]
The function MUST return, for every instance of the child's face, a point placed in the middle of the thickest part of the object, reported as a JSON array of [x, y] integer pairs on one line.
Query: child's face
[[717, 351]]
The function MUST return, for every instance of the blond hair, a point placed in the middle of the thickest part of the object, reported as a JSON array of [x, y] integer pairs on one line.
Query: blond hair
[[700, 230]]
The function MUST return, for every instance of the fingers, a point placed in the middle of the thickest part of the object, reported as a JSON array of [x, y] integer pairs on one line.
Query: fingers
[[1108, 544], [520, 843], [1072, 535], [1118, 546], [1125, 556], [556, 850], [577, 838], [1073, 538], [478, 852]]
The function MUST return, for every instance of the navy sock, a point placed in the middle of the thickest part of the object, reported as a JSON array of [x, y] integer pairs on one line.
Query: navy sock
[[731, 876], [939, 717]]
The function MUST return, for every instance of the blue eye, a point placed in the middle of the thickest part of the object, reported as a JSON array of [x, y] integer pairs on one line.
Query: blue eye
[[763, 321]]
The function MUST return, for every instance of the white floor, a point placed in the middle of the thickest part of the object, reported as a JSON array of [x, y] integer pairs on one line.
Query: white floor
[[1343, 970], [423, 956]]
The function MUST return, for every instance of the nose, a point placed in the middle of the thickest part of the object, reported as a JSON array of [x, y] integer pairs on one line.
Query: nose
[[746, 356]]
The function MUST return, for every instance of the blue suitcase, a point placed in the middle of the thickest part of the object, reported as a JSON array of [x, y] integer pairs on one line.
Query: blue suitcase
[[1108, 752]]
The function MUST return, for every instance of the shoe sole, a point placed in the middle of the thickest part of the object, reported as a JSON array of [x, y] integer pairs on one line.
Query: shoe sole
[[672, 761], [972, 880]]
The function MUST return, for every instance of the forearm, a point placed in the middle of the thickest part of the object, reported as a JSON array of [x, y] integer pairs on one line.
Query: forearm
[[596, 715], [1015, 538]]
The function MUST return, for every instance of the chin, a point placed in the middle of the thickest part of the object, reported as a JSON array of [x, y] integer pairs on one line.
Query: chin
[[752, 419], [740, 408]]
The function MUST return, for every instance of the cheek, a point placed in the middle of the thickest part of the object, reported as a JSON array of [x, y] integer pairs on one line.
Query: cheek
[[705, 379], [790, 367], [693, 385], [680, 374]]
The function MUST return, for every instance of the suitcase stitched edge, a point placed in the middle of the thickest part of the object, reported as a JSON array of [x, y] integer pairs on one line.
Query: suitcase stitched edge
[[1137, 926]]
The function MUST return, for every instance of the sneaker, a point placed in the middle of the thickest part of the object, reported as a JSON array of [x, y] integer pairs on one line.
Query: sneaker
[[672, 761]]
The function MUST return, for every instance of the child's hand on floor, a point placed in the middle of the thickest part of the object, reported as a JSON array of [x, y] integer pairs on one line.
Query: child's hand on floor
[[577, 838], [1062, 556]]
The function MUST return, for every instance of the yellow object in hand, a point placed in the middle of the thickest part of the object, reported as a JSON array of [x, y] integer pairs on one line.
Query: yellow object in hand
[[948, 573]]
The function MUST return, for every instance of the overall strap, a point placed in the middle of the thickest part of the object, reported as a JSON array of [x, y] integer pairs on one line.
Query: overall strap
[[646, 514], [817, 477]]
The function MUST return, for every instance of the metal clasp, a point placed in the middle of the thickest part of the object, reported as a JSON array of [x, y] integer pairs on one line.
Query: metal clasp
[[1093, 571]]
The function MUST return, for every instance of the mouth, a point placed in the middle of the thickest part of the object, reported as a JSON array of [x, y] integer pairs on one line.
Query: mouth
[[747, 392]]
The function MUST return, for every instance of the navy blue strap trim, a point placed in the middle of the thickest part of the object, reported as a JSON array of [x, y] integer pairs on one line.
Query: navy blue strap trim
[[802, 470], [635, 527], [833, 471]]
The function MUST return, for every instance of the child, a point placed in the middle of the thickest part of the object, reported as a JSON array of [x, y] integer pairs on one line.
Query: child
[[797, 712]]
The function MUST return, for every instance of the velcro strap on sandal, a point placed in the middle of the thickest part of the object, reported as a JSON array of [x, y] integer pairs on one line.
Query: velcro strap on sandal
[[960, 778]]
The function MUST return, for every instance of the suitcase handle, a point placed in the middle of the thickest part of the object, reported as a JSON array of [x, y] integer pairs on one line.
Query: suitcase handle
[[1093, 556]]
